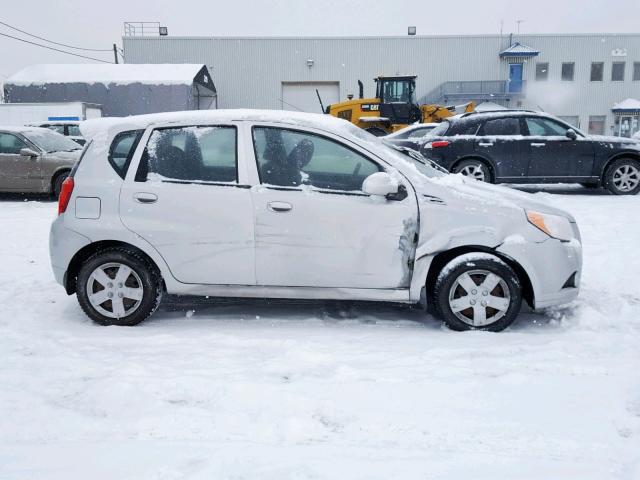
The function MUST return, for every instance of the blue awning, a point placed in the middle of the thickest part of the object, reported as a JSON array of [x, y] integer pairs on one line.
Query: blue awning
[[519, 50]]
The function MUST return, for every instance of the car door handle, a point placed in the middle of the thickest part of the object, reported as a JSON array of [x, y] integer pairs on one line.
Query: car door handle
[[485, 144], [534, 144], [144, 197], [279, 207]]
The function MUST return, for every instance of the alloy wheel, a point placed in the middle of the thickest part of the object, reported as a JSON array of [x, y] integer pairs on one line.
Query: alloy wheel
[[475, 171], [114, 290], [479, 298], [626, 178]]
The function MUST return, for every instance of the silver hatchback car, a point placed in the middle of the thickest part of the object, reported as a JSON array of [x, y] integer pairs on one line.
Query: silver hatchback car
[[244, 203]]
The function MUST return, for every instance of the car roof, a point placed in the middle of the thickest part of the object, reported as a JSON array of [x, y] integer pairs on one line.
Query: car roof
[[112, 125], [21, 129]]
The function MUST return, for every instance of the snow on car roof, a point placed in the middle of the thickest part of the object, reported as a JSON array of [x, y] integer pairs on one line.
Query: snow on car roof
[[121, 74], [90, 128], [21, 129]]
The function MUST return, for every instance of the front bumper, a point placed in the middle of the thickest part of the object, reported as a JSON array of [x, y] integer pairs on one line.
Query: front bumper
[[64, 243], [554, 268]]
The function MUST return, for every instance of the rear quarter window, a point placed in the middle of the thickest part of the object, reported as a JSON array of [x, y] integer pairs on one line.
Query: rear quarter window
[[122, 148]]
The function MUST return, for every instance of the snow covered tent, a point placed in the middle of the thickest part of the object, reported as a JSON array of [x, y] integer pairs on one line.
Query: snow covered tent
[[125, 89]]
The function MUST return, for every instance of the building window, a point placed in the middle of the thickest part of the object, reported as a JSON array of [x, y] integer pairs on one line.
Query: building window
[[636, 71], [567, 71], [597, 69], [572, 120], [617, 72], [596, 124], [542, 71]]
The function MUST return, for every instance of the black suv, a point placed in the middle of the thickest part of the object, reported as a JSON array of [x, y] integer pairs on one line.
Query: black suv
[[515, 146]]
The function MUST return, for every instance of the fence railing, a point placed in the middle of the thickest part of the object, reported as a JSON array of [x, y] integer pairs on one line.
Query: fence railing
[[141, 29], [476, 90]]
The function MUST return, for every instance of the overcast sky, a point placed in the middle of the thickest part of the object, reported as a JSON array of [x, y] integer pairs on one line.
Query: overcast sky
[[93, 24]]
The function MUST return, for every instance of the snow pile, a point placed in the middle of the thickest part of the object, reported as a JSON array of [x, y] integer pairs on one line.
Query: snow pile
[[107, 74], [281, 390]]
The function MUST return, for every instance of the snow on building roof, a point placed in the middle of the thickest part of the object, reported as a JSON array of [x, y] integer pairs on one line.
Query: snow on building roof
[[122, 74], [628, 104], [519, 50]]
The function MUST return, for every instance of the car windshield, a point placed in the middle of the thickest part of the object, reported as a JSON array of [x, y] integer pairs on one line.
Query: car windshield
[[399, 154], [50, 141]]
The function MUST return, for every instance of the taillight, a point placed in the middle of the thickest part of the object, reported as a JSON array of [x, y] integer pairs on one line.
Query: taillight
[[65, 194], [439, 144]]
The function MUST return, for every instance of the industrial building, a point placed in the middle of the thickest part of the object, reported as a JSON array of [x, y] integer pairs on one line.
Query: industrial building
[[119, 89], [590, 80]]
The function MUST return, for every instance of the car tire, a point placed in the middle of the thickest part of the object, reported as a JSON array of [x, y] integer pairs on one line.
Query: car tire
[[377, 131], [57, 184], [622, 177], [132, 287], [476, 169], [493, 308]]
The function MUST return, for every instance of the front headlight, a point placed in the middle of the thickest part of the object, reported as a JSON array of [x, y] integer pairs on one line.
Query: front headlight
[[555, 226]]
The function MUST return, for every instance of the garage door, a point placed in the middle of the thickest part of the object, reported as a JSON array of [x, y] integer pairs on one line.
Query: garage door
[[301, 96]]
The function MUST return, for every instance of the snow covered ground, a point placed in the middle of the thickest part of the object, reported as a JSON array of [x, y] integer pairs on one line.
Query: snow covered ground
[[244, 390]]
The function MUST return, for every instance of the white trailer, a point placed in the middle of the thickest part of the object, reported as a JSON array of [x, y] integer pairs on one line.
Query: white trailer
[[30, 113]]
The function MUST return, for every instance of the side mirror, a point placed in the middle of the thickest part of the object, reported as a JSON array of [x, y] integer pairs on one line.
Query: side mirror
[[381, 184], [571, 134], [27, 152]]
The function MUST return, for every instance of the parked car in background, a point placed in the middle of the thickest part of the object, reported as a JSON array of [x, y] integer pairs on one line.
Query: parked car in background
[[514, 146], [290, 205], [35, 159], [69, 129], [411, 134]]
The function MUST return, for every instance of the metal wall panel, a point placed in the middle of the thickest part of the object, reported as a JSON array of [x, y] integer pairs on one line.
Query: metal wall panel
[[248, 72]]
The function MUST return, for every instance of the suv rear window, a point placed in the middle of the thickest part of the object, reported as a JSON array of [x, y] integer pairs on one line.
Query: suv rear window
[[122, 148], [440, 130]]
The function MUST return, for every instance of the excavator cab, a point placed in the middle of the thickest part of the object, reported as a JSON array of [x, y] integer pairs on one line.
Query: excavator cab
[[397, 99]]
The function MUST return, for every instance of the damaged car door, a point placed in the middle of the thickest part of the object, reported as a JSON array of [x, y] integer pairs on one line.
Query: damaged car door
[[315, 227]]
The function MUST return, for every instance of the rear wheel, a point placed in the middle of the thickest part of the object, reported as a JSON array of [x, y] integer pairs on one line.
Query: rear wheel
[[118, 286], [622, 177], [477, 292], [57, 183], [476, 169]]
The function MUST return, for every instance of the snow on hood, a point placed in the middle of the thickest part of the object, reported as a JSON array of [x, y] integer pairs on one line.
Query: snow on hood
[[121, 74]]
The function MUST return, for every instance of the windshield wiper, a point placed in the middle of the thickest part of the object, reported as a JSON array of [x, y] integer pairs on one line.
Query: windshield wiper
[[417, 156]]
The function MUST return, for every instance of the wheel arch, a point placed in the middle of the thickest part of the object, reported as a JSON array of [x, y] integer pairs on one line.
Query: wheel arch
[[486, 161], [56, 174], [444, 257], [71, 275], [627, 154]]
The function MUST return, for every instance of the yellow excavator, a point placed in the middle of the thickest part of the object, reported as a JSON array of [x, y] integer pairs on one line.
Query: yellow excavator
[[393, 108]]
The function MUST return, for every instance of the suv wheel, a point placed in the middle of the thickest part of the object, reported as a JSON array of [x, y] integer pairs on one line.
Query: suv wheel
[[622, 177], [477, 291], [57, 184], [118, 286], [475, 169]]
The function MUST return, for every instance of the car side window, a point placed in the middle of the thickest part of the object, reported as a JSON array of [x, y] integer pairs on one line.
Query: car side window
[[501, 126], [542, 127], [290, 158], [418, 133], [10, 144], [122, 148], [194, 154], [74, 130]]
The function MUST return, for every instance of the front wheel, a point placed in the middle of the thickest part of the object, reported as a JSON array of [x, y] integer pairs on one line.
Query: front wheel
[[475, 169], [622, 177], [477, 291], [118, 286]]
